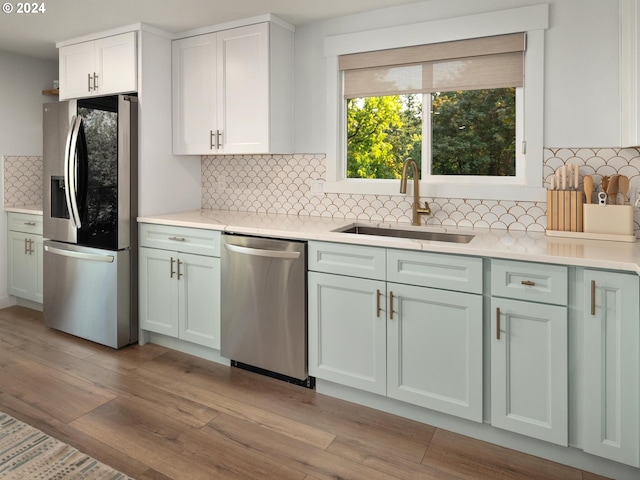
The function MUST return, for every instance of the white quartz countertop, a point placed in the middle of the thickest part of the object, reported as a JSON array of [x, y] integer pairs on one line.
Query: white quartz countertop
[[30, 209], [515, 245]]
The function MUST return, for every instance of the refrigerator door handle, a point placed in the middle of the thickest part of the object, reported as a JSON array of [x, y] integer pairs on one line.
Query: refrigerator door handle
[[72, 169], [67, 161], [79, 255]]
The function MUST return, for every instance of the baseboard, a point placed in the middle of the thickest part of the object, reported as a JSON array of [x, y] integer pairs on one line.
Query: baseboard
[[7, 301]]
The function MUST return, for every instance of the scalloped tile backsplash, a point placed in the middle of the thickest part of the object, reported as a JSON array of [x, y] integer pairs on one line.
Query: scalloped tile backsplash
[[22, 181], [283, 184]]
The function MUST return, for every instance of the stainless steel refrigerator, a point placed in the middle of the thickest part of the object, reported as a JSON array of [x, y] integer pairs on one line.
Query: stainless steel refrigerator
[[90, 209]]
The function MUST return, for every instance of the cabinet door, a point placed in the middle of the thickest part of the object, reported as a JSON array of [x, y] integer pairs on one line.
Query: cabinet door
[[347, 332], [158, 291], [243, 89], [38, 266], [529, 383], [194, 95], [116, 65], [434, 341], [199, 299], [611, 359], [22, 274], [76, 66]]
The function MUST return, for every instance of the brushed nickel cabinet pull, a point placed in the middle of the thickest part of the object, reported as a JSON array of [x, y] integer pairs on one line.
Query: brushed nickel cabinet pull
[[593, 297], [498, 323], [211, 144], [30, 224], [218, 139], [177, 239], [95, 81], [179, 274], [89, 82], [26, 248], [528, 283], [391, 297], [171, 268], [378, 303], [31, 247]]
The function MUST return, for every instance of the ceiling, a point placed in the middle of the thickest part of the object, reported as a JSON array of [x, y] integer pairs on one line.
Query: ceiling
[[35, 34]]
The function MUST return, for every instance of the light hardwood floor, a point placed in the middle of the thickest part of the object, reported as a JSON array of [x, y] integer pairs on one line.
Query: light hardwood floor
[[157, 414]]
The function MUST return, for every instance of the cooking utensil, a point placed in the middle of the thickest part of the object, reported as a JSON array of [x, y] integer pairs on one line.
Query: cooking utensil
[[605, 183], [588, 187], [612, 189], [623, 187]]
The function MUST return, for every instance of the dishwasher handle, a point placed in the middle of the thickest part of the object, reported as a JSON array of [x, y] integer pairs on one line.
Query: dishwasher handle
[[260, 252]]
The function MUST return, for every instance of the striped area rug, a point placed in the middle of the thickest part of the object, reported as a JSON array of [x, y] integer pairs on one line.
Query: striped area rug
[[28, 454]]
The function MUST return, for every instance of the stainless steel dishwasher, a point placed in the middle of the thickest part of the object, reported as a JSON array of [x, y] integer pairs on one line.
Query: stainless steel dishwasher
[[264, 307]]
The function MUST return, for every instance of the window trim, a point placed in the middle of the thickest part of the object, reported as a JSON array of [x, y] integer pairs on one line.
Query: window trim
[[533, 20]]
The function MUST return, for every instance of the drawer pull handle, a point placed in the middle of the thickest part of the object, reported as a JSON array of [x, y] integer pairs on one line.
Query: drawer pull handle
[[171, 268], [30, 224], [179, 274], [391, 297], [498, 323], [528, 283], [177, 239], [378, 303], [593, 297]]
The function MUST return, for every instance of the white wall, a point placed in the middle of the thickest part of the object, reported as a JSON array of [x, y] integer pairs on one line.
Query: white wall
[[22, 80], [167, 183], [582, 105]]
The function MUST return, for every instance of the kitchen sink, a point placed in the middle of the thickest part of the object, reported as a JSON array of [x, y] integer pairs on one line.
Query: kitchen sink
[[404, 233]]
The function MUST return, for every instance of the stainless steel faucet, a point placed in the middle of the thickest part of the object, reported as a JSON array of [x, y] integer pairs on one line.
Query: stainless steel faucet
[[417, 210]]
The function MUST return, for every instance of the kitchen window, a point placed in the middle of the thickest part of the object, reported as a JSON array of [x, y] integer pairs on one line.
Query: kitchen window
[[450, 106], [462, 96]]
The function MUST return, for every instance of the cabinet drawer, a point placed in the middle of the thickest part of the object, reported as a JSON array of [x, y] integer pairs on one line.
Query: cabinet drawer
[[181, 239], [436, 270], [23, 222], [536, 282], [353, 260]]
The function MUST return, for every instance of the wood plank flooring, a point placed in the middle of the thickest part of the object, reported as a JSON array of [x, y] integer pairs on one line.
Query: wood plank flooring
[[157, 414]]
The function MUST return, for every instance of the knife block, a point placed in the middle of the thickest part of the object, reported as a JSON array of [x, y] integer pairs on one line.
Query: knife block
[[564, 210]]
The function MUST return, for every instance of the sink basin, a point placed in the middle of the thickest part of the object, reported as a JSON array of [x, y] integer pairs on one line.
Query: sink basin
[[402, 233]]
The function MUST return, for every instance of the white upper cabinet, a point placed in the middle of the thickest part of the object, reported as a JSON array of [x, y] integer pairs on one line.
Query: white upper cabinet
[[629, 74], [232, 91], [99, 67]]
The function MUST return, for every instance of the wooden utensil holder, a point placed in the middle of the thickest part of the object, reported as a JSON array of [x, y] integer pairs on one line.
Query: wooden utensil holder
[[564, 210]]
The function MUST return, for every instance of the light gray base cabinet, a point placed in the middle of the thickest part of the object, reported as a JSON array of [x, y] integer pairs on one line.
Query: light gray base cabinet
[[564, 342], [611, 364], [406, 340], [180, 291], [529, 349], [25, 256]]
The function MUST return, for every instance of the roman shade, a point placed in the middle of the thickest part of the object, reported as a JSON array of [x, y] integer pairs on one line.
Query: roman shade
[[479, 63]]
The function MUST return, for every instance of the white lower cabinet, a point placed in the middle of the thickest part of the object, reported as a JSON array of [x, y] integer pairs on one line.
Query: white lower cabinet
[[611, 362], [179, 291], [25, 256], [529, 349], [409, 342]]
